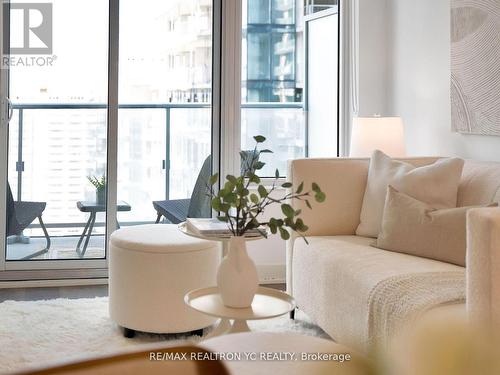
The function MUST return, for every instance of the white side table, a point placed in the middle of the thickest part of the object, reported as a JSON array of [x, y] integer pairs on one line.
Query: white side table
[[267, 303]]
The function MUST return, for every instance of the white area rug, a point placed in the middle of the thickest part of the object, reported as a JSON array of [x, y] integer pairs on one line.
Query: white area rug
[[36, 333]]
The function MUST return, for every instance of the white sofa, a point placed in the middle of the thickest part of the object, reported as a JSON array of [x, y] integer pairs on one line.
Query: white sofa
[[334, 276]]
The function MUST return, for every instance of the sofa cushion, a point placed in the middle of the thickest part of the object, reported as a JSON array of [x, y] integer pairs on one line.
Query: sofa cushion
[[333, 278], [435, 184], [480, 183], [413, 227]]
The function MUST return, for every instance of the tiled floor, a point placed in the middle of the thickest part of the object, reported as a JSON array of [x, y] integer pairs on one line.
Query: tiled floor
[[61, 248]]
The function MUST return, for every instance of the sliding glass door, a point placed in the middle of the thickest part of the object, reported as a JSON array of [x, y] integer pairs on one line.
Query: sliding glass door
[[88, 150], [165, 117], [57, 136]]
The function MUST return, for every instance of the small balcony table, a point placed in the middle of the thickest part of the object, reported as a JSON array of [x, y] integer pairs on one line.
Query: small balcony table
[[93, 208]]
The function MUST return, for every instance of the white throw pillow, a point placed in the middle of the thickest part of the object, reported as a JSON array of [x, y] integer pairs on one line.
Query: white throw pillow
[[435, 184]]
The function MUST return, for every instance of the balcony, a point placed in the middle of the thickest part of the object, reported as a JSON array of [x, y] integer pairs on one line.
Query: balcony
[[161, 147]]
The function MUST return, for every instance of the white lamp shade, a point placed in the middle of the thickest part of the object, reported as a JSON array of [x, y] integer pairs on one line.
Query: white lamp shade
[[377, 133]]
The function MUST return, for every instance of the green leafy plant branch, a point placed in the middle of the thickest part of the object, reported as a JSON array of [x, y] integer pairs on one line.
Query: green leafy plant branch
[[242, 209]]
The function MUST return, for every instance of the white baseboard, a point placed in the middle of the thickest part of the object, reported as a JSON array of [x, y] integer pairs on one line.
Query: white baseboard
[[268, 274], [271, 273], [51, 283]]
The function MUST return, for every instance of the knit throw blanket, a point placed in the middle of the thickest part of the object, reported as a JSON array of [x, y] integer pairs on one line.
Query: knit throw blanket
[[400, 300]]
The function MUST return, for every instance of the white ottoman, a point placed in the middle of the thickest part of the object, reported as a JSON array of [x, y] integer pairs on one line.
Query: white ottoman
[[151, 268]]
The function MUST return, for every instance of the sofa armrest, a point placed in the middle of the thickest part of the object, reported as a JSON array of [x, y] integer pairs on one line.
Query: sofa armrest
[[483, 265], [343, 181]]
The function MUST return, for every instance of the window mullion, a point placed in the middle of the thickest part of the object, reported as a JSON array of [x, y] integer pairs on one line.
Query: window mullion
[[4, 76], [112, 150], [231, 86]]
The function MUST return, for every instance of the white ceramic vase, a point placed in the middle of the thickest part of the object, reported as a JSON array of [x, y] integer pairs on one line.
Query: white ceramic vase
[[237, 275]]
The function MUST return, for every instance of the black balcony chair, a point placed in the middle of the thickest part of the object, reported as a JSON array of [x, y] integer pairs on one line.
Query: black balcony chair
[[177, 210], [20, 215]]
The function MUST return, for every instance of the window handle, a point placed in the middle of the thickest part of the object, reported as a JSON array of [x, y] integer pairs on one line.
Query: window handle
[[165, 164], [10, 109]]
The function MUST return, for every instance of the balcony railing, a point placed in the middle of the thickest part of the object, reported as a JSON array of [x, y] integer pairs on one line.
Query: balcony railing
[[23, 108]]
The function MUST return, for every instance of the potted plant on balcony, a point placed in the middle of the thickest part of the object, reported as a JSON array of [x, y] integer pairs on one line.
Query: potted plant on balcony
[[240, 203], [100, 188]]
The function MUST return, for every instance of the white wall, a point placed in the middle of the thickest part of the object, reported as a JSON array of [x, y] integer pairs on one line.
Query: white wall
[[373, 57], [418, 56]]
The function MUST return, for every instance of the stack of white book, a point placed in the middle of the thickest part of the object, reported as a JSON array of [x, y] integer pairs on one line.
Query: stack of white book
[[214, 228]]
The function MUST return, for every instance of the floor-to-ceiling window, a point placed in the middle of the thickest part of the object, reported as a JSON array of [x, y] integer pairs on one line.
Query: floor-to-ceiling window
[[281, 91], [57, 136], [273, 80], [165, 118]]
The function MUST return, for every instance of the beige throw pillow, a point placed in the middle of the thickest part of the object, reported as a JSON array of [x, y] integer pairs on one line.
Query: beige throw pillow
[[435, 184], [412, 227]]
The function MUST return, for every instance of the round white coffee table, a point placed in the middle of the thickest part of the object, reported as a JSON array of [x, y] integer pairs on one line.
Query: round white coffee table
[[267, 303]]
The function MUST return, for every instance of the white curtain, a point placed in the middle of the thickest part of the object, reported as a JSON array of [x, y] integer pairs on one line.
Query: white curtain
[[350, 69]]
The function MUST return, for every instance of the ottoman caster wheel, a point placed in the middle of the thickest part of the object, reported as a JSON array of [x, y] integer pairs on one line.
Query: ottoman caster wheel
[[128, 333], [197, 332]]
